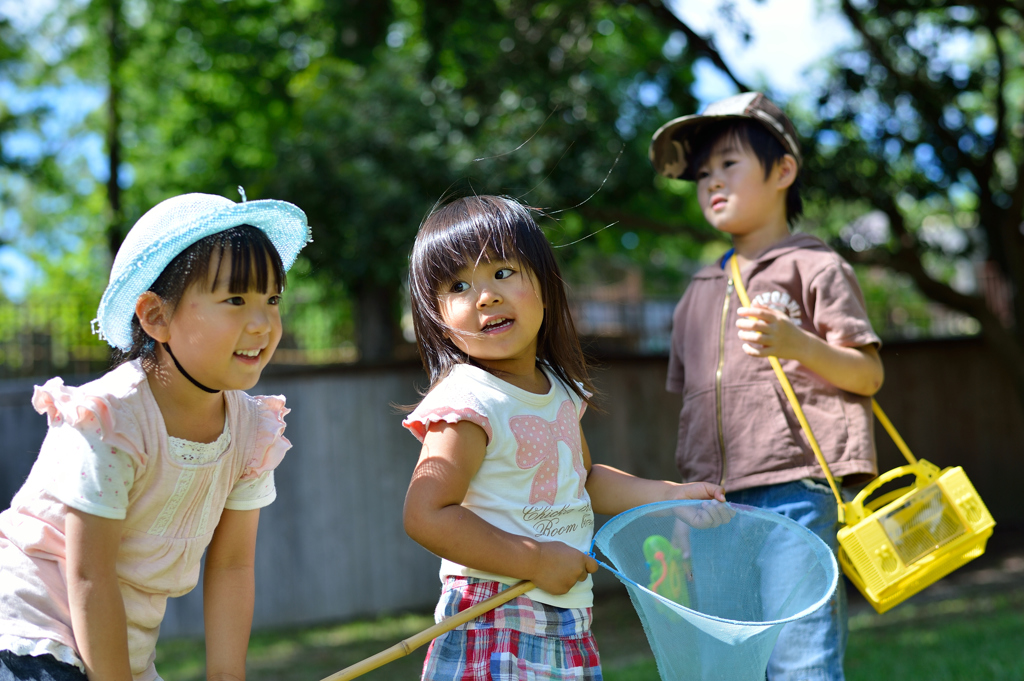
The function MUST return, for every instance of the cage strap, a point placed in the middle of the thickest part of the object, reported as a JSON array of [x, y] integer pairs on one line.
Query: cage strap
[[788, 389], [891, 429]]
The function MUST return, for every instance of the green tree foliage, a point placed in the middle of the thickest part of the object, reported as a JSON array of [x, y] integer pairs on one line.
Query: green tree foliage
[[12, 56], [538, 100], [365, 114], [924, 122], [915, 158], [9, 58]]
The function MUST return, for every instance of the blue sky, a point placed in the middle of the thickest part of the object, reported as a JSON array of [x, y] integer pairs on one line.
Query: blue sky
[[789, 39], [68, 106]]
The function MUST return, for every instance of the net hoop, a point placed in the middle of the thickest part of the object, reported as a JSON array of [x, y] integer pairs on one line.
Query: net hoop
[[820, 549]]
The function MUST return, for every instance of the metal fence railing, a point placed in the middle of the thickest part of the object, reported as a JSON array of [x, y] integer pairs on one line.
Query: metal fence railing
[[41, 340], [36, 340], [49, 339], [643, 327]]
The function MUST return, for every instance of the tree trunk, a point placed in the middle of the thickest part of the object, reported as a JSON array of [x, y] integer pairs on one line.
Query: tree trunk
[[376, 323], [116, 57]]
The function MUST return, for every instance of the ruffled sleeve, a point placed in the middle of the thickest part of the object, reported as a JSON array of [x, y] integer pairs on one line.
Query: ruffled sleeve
[[84, 472], [449, 405], [105, 417], [581, 405], [271, 444]]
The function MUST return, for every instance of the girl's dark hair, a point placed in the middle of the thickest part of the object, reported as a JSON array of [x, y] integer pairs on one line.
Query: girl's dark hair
[[250, 250], [752, 135], [463, 232]]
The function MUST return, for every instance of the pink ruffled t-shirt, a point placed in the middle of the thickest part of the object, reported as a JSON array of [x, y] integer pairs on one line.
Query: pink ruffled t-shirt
[[107, 453]]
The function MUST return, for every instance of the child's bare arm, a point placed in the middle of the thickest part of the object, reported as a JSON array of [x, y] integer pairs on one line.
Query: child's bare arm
[[434, 517], [613, 491], [228, 594], [768, 332], [97, 607]]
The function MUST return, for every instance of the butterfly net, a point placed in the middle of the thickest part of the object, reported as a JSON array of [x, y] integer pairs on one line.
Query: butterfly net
[[707, 584]]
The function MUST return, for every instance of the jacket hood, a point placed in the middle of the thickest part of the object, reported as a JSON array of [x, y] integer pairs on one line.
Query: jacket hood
[[793, 242]]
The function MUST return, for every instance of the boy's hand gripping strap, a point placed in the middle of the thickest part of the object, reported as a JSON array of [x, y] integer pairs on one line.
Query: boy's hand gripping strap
[[737, 282], [788, 389]]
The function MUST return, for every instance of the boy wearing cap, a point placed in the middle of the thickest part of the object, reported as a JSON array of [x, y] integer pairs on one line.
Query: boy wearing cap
[[736, 427]]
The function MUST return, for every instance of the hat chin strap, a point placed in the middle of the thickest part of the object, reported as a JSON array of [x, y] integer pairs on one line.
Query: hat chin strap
[[185, 373]]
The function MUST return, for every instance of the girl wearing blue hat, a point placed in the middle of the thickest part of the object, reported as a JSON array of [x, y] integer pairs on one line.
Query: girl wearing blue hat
[[162, 457]]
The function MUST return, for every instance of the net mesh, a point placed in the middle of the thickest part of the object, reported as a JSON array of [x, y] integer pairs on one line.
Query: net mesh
[[712, 593]]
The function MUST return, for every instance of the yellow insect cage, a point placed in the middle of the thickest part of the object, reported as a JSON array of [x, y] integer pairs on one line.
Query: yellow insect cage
[[899, 543], [895, 545]]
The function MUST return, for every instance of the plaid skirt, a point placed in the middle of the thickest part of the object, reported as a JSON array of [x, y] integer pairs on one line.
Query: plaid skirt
[[521, 640]]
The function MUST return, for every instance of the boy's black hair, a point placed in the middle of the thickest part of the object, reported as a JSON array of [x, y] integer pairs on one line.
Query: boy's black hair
[[752, 135]]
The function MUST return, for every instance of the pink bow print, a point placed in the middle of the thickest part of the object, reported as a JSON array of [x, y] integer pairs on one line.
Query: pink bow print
[[538, 446]]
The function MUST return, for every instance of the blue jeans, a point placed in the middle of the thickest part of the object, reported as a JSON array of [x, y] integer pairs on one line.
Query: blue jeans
[[43, 668], [812, 648]]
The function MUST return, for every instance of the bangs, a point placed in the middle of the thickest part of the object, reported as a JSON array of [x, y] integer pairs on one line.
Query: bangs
[[740, 135], [464, 234], [253, 260], [728, 133]]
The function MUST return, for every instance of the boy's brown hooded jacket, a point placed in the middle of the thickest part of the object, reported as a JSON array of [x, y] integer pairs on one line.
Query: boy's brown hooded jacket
[[736, 426]]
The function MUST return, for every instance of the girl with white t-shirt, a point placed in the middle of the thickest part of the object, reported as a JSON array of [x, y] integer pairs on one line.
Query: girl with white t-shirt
[[504, 489], [160, 458]]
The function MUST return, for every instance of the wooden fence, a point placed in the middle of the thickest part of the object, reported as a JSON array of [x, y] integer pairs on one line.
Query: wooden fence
[[332, 546]]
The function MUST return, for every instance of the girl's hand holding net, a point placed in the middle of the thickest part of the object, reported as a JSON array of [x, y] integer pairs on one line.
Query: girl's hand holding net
[[560, 567], [706, 515], [713, 512]]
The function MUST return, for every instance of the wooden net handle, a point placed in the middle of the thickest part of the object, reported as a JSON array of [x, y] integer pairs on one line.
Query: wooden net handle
[[406, 646]]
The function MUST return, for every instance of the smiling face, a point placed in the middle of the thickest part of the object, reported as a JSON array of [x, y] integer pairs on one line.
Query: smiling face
[[225, 339], [733, 192], [494, 311]]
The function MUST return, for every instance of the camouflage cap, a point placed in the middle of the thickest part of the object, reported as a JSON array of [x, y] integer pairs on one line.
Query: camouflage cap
[[672, 144]]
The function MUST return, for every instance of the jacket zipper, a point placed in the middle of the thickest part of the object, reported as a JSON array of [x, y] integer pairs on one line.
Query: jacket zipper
[[718, 374]]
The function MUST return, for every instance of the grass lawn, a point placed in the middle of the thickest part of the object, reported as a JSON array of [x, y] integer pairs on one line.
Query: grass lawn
[[307, 654], [963, 639], [969, 639], [975, 638]]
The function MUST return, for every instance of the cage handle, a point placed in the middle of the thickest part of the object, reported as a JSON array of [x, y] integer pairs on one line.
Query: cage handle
[[923, 471]]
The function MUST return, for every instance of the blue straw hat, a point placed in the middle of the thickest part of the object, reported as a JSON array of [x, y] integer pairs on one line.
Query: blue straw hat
[[169, 228]]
